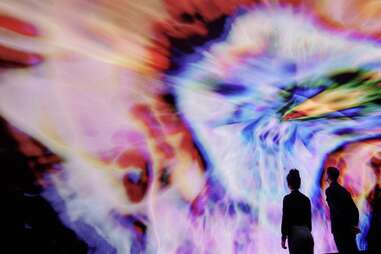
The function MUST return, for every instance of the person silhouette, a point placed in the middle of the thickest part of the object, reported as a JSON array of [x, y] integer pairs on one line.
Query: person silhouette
[[344, 214], [296, 218], [374, 202]]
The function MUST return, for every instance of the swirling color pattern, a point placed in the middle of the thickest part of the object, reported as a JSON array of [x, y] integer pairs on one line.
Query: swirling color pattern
[[168, 126]]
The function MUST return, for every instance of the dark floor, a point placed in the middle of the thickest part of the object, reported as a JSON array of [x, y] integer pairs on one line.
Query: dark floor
[[361, 252]]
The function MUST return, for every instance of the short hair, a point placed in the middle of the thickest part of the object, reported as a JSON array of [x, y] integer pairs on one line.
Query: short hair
[[333, 173], [293, 179]]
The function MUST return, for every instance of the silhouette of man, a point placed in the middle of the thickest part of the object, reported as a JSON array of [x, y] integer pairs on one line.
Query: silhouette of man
[[374, 202], [343, 212]]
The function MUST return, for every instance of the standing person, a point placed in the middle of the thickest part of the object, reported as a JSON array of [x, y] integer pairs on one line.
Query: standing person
[[296, 218], [374, 202], [343, 212]]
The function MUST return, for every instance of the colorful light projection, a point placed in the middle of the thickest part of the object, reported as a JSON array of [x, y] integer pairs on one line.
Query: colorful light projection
[[175, 122]]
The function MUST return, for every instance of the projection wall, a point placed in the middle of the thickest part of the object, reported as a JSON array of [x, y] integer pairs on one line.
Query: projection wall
[[168, 126]]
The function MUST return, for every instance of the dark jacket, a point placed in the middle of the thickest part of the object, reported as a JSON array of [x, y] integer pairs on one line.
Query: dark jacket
[[343, 211], [374, 200], [296, 212]]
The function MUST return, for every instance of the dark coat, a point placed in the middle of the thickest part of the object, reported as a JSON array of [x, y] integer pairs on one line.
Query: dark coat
[[343, 211], [296, 212]]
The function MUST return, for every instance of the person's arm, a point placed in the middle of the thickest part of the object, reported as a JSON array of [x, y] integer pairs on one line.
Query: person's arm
[[370, 200], [309, 224], [331, 201], [356, 214], [285, 220], [285, 223], [328, 197], [353, 209], [328, 194]]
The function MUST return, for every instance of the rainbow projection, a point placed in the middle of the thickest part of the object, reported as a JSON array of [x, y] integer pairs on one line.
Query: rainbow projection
[[168, 126]]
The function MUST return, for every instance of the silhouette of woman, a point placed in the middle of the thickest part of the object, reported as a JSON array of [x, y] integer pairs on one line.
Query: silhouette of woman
[[296, 218]]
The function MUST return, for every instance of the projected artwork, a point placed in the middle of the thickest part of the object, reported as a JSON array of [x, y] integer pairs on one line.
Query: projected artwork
[[163, 126]]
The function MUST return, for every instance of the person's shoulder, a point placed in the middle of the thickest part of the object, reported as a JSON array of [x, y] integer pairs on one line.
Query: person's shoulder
[[302, 194], [328, 190], [343, 189], [305, 197], [287, 197], [335, 187]]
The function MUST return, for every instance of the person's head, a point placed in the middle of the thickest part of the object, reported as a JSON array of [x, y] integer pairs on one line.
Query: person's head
[[332, 174], [293, 179]]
